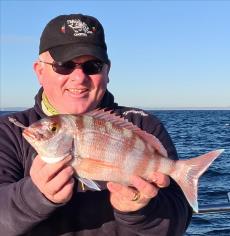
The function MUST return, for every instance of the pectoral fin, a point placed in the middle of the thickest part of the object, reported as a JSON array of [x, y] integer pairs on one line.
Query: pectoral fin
[[90, 183]]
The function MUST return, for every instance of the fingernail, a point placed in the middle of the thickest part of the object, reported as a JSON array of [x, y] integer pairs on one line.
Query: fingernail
[[68, 158], [70, 169], [160, 186], [113, 186], [154, 178], [110, 187], [72, 181]]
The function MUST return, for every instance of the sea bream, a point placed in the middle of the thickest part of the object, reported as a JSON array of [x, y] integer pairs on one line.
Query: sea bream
[[106, 147]]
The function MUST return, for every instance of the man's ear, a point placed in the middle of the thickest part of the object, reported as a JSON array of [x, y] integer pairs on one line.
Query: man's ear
[[38, 68]]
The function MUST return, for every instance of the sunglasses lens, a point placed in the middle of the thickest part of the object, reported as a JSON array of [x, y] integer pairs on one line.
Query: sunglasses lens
[[89, 67], [64, 68], [92, 67]]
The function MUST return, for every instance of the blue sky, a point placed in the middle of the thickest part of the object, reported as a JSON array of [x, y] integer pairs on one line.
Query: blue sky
[[164, 54]]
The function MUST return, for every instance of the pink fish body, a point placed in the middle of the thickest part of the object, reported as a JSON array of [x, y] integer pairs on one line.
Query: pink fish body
[[108, 148]]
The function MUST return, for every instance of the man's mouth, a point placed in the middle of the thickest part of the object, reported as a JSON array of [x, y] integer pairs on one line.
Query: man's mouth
[[77, 91]]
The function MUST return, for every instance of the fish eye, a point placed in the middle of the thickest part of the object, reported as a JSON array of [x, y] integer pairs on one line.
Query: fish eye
[[53, 127]]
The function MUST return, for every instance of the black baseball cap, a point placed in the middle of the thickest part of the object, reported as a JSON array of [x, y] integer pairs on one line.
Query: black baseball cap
[[70, 36]]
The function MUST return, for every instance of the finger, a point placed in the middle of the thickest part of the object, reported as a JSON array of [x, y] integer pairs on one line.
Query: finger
[[121, 191], [146, 189], [36, 167], [161, 180], [49, 171], [65, 194], [38, 163], [57, 183]]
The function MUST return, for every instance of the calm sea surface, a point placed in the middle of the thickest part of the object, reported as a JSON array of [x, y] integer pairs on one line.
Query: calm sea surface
[[195, 133]]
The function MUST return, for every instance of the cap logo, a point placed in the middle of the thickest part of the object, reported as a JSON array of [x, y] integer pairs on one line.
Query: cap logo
[[79, 28]]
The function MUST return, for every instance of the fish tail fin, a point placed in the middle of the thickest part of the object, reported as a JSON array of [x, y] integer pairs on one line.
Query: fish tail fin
[[188, 172]]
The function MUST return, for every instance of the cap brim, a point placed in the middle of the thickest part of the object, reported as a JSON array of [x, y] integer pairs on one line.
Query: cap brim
[[69, 52]]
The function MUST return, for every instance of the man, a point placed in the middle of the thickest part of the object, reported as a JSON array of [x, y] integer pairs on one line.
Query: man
[[37, 198]]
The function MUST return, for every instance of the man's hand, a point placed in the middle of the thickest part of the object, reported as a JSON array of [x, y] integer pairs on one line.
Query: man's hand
[[55, 180], [128, 199]]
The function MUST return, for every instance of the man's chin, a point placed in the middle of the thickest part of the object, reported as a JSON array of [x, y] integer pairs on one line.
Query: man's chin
[[77, 109]]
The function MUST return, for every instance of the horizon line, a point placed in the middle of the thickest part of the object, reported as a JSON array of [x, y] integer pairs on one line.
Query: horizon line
[[142, 107]]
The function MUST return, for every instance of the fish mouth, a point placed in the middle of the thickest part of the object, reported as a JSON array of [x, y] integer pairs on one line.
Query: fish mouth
[[29, 135]]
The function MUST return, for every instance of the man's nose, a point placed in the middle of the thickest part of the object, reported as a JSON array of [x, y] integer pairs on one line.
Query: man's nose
[[78, 75]]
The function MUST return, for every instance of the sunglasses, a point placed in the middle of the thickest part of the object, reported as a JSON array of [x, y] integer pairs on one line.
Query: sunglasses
[[91, 67]]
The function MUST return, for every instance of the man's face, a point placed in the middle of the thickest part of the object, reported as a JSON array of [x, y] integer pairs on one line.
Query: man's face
[[75, 93]]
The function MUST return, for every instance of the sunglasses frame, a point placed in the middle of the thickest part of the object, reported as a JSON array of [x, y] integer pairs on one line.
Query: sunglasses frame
[[55, 65]]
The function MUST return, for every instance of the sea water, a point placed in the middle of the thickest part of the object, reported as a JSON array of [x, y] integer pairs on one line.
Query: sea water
[[195, 132]]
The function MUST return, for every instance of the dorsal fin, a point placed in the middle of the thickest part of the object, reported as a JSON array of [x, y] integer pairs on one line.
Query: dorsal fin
[[123, 123]]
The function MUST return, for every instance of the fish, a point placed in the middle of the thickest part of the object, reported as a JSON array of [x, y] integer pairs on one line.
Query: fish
[[107, 147]]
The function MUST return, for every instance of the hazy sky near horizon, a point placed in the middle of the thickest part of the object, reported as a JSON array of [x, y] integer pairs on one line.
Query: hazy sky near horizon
[[164, 53]]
